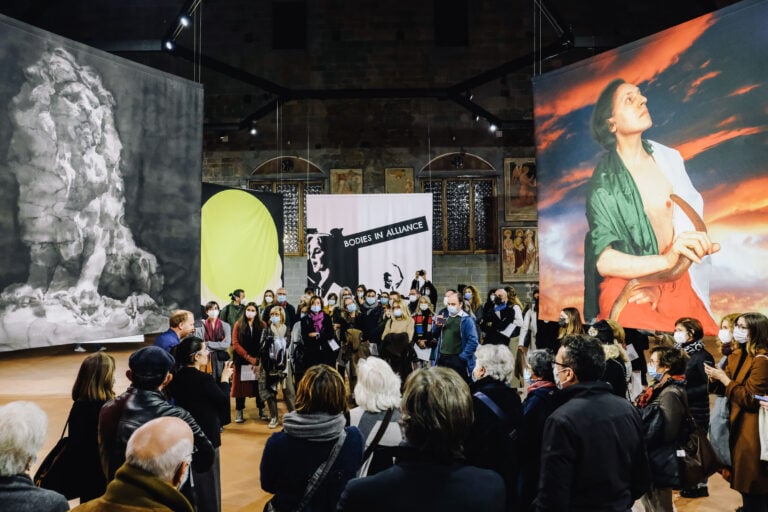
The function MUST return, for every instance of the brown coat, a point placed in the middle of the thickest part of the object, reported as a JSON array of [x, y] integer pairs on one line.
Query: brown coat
[[750, 475]]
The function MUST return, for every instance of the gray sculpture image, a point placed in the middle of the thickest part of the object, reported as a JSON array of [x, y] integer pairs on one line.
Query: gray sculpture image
[[85, 268]]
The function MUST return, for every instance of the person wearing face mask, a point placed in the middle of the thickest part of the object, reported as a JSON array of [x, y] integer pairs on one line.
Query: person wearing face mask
[[719, 418], [423, 341], [425, 287], [372, 312], [457, 340], [245, 342], [218, 335], [663, 407], [266, 304], [593, 455], [568, 323], [157, 464], [317, 334], [503, 322], [396, 340], [350, 334], [360, 292], [688, 337], [471, 301], [273, 359], [413, 301], [290, 311], [746, 375], [235, 308], [493, 442], [540, 401]]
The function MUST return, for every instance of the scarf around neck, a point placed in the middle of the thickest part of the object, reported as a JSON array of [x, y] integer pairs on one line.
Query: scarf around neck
[[694, 346], [651, 392], [314, 427], [317, 319], [213, 330]]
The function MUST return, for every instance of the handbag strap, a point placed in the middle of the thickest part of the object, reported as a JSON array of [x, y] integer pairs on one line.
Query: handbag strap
[[492, 406], [321, 472], [379, 434]]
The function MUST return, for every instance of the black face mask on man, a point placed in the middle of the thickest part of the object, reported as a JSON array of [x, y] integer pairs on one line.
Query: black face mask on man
[[497, 300]]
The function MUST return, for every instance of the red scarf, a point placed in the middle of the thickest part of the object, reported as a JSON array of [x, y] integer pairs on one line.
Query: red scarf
[[652, 392], [213, 332], [541, 384]]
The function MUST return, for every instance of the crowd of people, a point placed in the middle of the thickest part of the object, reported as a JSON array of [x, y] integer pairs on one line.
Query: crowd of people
[[416, 402]]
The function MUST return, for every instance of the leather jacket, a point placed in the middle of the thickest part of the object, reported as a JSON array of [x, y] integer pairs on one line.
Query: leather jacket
[[122, 415]]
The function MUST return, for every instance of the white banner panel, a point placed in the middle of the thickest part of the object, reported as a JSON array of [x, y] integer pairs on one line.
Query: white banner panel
[[379, 240]]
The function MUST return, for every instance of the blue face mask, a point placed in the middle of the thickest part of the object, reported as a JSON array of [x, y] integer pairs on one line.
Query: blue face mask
[[452, 310], [467, 296], [383, 300], [281, 298], [370, 301], [316, 308], [275, 319], [653, 374], [351, 308]]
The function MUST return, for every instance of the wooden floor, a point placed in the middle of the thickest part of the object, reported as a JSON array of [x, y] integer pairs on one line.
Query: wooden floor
[[45, 376]]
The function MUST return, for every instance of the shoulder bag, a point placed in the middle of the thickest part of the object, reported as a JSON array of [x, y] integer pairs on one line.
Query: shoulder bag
[[317, 478], [55, 472]]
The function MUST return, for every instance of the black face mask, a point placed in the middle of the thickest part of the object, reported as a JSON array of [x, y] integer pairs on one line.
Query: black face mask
[[561, 322], [497, 300]]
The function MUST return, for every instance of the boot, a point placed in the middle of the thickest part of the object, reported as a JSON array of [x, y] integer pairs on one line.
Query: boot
[[239, 416]]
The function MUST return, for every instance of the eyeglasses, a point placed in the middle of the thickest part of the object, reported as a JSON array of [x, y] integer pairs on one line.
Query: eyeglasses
[[555, 364]]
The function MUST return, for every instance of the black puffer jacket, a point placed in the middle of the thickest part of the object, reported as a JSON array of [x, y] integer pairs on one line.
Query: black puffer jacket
[[121, 416], [696, 383]]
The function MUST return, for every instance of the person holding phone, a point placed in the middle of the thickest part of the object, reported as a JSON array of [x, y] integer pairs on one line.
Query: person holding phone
[[746, 375], [208, 403]]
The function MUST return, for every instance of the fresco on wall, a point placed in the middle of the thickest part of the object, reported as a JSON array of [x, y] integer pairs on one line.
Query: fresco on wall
[[99, 192], [652, 202]]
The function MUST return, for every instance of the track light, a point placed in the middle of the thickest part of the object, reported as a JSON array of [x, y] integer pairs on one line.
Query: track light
[[492, 128], [169, 45], [477, 119], [254, 131], [184, 21]]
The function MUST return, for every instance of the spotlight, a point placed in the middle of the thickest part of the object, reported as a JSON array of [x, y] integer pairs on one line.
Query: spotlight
[[492, 128], [471, 96], [477, 119], [169, 45], [254, 131], [184, 21]]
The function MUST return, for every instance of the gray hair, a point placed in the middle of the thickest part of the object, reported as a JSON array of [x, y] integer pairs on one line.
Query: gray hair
[[164, 465], [378, 386], [540, 361], [498, 361], [22, 432]]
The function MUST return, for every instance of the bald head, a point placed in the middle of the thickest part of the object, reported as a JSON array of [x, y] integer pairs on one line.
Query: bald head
[[502, 294], [162, 447]]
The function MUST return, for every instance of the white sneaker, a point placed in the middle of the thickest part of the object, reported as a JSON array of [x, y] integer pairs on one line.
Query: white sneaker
[[79, 348], [272, 423]]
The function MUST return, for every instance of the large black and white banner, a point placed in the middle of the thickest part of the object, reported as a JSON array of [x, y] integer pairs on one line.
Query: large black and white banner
[[100, 164], [379, 240]]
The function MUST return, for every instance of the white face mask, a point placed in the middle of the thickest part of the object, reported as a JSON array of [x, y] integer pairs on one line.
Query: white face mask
[[413, 298], [397, 312], [556, 374], [250, 314], [423, 306], [740, 334], [681, 337], [331, 302], [214, 313], [268, 299], [725, 335]]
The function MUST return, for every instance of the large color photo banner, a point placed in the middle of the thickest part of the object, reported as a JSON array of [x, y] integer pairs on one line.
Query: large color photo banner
[[652, 161], [379, 240], [100, 165]]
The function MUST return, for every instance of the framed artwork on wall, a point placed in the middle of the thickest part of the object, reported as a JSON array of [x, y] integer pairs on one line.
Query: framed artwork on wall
[[398, 180], [519, 254], [346, 181], [520, 189]]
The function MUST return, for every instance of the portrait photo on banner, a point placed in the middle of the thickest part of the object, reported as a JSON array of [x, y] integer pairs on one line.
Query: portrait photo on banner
[[379, 240], [652, 162]]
